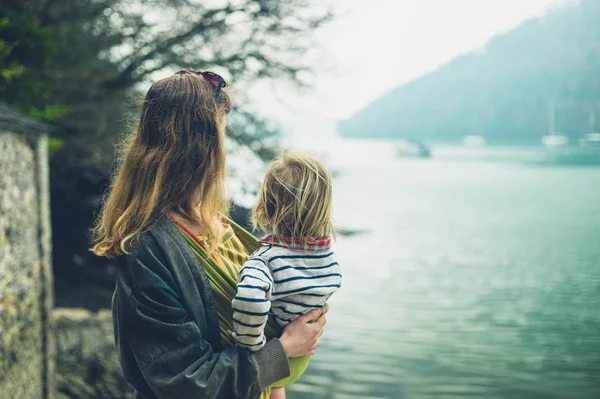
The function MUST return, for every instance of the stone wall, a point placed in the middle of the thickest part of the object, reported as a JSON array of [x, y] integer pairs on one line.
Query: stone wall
[[26, 347]]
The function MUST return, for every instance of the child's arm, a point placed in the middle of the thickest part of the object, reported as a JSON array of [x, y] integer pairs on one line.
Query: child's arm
[[251, 304]]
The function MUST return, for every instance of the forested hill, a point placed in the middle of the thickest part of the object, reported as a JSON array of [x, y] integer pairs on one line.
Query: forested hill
[[503, 91]]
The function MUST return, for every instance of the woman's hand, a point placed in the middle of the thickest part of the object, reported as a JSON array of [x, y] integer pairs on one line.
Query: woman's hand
[[301, 337]]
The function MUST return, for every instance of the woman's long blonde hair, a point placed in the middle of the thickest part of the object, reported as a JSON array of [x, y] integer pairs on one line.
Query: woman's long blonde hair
[[295, 199], [174, 161]]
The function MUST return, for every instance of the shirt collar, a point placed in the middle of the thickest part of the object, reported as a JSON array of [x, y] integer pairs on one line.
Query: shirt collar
[[310, 245]]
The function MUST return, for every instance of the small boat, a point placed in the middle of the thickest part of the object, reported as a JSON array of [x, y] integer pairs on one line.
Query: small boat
[[558, 152], [413, 148], [553, 139], [591, 139], [474, 141]]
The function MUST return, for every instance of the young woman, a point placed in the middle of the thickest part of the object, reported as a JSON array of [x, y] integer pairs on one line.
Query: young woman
[[168, 190]]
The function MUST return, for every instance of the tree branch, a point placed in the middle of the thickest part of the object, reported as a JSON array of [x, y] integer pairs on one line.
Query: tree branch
[[126, 78]]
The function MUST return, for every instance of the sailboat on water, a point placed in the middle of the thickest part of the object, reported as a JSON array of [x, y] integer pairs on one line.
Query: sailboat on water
[[587, 153], [554, 139], [593, 137]]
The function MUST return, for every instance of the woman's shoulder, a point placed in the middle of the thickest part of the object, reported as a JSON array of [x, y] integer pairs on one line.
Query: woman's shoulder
[[160, 250], [148, 239], [160, 242]]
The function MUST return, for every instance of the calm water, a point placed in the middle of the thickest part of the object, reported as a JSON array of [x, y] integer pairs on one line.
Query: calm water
[[478, 276]]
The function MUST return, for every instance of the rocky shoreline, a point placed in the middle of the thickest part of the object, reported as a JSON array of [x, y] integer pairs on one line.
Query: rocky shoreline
[[86, 361]]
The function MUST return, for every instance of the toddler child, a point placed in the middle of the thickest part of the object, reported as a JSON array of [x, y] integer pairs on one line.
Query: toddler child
[[295, 270]]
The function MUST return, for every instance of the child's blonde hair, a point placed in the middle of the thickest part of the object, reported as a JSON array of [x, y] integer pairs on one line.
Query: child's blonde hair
[[295, 199]]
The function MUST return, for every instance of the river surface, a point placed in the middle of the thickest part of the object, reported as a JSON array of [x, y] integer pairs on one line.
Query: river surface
[[477, 275]]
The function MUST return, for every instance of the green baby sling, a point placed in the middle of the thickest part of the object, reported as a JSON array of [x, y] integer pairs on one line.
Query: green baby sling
[[224, 288]]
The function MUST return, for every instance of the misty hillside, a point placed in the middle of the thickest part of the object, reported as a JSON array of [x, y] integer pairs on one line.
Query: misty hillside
[[504, 90]]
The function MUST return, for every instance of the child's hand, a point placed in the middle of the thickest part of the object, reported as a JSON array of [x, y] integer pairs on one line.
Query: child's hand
[[230, 332]]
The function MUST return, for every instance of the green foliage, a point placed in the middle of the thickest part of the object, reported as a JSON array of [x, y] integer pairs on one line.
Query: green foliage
[[24, 44], [49, 113], [503, 91], [54, 144]]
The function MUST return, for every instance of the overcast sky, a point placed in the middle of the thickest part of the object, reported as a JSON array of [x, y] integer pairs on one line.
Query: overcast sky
[[376, 45]]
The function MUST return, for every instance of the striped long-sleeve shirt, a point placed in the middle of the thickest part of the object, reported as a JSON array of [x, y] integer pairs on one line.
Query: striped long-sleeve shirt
[[286, 280]]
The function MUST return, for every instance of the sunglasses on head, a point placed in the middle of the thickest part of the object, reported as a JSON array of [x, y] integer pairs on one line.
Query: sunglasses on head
[[216, 81]]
